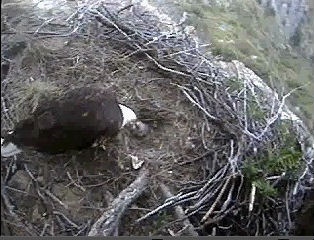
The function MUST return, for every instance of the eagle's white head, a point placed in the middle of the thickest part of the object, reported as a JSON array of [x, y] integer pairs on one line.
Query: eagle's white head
[[137, 127], [9, 149], [128, 115]]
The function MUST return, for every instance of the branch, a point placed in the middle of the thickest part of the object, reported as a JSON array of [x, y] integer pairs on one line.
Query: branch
[[107, 224], [179, 213]]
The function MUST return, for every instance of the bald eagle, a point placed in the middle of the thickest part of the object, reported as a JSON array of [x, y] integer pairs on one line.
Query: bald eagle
[[71, 122]]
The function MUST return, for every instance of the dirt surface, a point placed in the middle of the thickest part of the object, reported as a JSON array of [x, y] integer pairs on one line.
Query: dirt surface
[[64, 194]]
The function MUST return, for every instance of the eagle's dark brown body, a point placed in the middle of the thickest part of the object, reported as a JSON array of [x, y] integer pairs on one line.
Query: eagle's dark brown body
[[73, 121]]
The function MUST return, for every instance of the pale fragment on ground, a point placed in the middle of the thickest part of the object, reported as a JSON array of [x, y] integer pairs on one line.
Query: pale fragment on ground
[[136, 162]]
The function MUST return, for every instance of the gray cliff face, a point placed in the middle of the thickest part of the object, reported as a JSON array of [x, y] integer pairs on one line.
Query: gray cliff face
[[296, 20], [290, 13]]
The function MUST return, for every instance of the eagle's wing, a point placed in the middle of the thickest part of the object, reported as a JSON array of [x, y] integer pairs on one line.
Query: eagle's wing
[[46, 120], [73, 122]]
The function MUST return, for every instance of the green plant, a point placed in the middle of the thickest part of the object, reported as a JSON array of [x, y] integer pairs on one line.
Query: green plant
[[284, 157], [265, 189]]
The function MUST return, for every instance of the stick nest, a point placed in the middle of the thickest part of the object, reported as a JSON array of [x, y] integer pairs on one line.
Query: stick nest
[[218, 140]]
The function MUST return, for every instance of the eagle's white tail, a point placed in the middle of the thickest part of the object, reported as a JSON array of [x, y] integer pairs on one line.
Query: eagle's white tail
[[9, 149]]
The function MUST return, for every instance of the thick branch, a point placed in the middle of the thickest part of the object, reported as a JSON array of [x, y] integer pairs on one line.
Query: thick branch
[[107, 224]]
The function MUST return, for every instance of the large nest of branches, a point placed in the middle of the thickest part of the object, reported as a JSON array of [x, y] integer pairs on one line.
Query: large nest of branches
[[224, 155]]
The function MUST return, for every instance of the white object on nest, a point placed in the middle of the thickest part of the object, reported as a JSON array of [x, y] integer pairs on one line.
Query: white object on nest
[[9, 149], [136, 163]]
